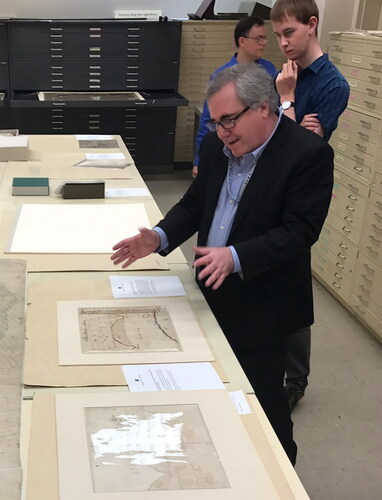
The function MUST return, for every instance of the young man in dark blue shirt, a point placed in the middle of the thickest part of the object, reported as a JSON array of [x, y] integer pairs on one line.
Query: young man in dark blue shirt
[[313, 93]]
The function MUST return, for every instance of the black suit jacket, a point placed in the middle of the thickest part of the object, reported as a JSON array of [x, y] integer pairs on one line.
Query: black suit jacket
[[279, 217]]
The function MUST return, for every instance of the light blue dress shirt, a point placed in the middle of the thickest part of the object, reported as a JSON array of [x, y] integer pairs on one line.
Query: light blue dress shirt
[[238, 175]]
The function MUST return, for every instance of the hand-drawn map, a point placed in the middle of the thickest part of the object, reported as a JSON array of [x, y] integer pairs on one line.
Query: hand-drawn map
[[150, 448], [127, 329]]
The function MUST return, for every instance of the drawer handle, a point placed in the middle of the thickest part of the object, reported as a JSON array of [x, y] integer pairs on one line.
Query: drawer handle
[[338, 47], [376, 67], [369, 104], [338, 276], [377, 53], [366, 278], [353, 188], [360, 310], [358, 169], [370, 269], [359, 159], [376, 228], [351, 197], [363, 136], [343, 246], [374, 79], [372, 250], [341, 256], [336, 285], [360, 147], [346, 229], [364, 289], [364, 123], [374, 239], [348, 219], [336, 59], [351, 209], [361, 299], [340, 266], [372, 92]]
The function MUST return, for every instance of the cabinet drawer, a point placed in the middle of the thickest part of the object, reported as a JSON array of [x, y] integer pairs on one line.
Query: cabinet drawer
[[375, 205], [366, 75], [356, 45], [332, 274], [357, 61], [355, 191], [366, 315], [337, 244], [361, 173], [363, 120], [354, 153], [358, 141], [378, 179], [367, 88], [357, 130], [369, 283], [365, 102], [370, 248], [366, 300]]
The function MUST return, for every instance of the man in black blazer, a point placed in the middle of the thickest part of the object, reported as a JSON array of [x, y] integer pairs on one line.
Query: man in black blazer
[[258, 204]]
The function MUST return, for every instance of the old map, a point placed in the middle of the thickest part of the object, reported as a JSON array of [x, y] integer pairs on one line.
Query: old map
[[148, 448], [127, 329]]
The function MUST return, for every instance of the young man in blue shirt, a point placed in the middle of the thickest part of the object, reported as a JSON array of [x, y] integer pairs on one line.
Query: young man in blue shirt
[[250, 40], [313, 93]]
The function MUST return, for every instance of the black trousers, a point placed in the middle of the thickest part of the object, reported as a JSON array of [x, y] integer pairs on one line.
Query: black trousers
[[264, 364], [298, 358]]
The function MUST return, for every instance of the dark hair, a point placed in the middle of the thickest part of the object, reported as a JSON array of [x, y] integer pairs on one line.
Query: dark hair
[[302, 10], [244, 25]]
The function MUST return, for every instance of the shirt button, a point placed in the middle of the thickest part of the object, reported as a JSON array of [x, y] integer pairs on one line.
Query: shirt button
[[239, 174], [221, 227], [231, 202]]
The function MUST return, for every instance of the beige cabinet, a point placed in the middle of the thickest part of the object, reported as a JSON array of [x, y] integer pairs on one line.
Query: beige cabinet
[[205, 46], [348, 256]]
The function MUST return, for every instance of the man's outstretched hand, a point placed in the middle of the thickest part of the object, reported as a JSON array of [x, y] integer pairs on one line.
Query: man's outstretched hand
[[136, 247]]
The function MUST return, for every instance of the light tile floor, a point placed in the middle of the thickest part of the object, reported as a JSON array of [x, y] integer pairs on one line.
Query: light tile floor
[[338, 424]]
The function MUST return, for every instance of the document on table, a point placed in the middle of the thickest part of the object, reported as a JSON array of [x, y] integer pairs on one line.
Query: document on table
[[126, 192], [171, 377], [240, 401], [146, 286]]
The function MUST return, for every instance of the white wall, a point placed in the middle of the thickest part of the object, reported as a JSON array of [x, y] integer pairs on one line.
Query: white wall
[[72, 9]]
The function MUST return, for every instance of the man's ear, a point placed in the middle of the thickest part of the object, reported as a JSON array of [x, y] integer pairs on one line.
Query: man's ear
[[313, 25]]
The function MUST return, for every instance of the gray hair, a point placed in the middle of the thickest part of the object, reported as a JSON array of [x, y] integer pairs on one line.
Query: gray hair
[[253, 85]]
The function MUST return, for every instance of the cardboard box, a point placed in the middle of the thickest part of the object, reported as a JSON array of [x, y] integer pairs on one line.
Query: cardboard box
[[14, 148]]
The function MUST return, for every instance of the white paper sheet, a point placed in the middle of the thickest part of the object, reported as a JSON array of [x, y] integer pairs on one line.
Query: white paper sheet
[[146, 286], [105, 156], [84, 137], [240, 402], [126, 192], [172, 377], [43, 228]]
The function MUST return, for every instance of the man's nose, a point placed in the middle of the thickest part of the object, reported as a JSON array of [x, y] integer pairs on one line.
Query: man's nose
[[223, 132]]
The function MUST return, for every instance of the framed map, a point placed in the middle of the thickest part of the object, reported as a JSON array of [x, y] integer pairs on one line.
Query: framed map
[[162, 445], [129, 331]]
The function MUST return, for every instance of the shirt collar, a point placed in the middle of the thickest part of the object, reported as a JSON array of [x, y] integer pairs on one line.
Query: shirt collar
[[256, 153], [316, 65]]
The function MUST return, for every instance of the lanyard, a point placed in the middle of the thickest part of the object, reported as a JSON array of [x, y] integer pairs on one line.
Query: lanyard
[[244, 184]]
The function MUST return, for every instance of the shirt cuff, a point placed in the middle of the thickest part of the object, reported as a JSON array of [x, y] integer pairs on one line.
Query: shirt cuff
[[163, 239], [236, 260]]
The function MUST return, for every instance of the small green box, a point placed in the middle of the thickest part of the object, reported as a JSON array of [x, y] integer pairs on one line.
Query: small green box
[[30, 186]]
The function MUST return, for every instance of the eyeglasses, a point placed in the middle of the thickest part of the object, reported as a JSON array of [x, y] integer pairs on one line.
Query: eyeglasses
[[226, 123], [258, 39]]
